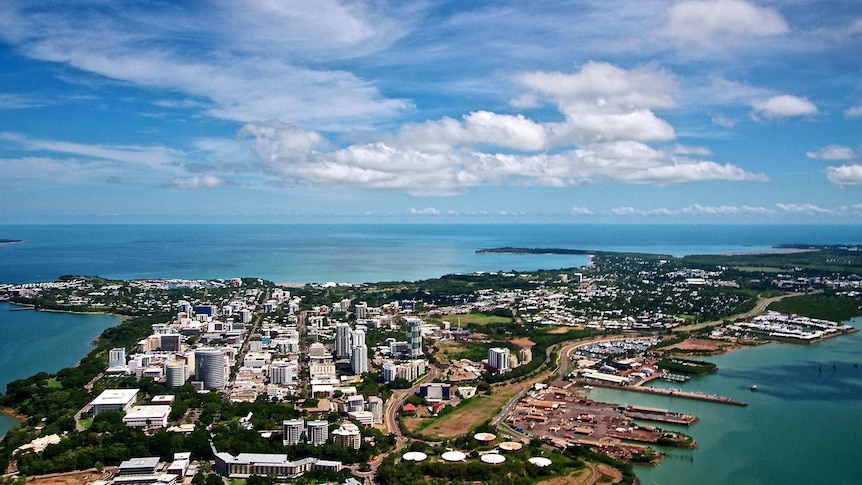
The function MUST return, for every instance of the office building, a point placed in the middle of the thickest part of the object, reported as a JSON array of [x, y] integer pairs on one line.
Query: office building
[[359, 360], [342, 341], [414, 338], [375, 406], [176, 373], [210, 368]]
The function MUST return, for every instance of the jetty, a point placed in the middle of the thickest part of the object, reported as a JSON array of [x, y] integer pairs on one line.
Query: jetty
[[659, 415], [697, 396]]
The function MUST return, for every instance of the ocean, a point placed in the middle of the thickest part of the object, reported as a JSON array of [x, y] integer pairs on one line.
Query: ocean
[[801, 426], [317, 253]]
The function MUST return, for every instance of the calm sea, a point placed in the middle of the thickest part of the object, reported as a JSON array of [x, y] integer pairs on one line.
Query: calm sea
[[359, 252]]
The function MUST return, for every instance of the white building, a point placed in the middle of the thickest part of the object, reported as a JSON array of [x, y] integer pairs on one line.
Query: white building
[[117, 357], [359, 359], [147, 416], [347, 436], [414, 338], [498, 359], [375, 406], [342, 341], [389, 372], [317, 432], [293, 429], [113, 400]]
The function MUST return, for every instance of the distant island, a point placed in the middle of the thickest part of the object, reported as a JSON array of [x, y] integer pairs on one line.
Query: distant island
[[4, 242]]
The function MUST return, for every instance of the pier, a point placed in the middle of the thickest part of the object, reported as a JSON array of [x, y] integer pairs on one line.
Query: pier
[[698, 396]]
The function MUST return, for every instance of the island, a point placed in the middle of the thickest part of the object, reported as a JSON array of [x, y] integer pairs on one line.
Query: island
[[480, 377], [6, 242]]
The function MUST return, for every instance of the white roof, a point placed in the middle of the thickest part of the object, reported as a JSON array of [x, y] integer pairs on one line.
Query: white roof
[[115, 397], [145, 412]]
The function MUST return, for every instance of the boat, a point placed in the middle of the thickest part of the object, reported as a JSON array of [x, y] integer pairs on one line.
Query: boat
[[754, 387]]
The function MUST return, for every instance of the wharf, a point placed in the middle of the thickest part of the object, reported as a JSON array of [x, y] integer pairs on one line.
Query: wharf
[[20, 307], [660, 417], [697, 396]]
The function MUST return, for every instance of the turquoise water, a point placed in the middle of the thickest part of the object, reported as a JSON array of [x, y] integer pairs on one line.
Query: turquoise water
[[45, 341], [802, 425], [297, 253]]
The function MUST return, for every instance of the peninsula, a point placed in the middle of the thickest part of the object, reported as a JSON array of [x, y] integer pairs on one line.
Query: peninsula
[[407, 382]]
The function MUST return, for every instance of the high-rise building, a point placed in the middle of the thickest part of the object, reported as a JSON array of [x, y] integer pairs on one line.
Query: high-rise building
[[117, 357], [342, 341], [375, 406], [389, 372], [359, 360], [292, 429], [282, 372], [414, 338], [361, 310], [171, 342], [498, 359], [357, 338], [210, 368], [317, 432], [176, 373]]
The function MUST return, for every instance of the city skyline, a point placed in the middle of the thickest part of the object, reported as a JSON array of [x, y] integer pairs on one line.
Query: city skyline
[[713, 111]]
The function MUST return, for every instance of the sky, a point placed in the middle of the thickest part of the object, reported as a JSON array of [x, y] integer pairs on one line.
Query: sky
[[605, 111]]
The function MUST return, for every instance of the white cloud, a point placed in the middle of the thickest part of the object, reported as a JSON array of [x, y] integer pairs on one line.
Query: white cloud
[[226, 60], [603, 102], [686, 150], [428, 211], [197, 182], [853, 112], [18, 101], [581, 211], [845, 175], [832, 152], [710, 22], [631, 211], [726, 210], [144, 156], [784, 106], [447, 170], [802, 209]]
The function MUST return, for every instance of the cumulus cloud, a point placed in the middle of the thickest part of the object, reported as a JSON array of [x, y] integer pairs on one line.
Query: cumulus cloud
[[581, 211], [853, 112], [845, 175], [721, 21], [603, 102], [197, 182], [445, 169], [832, 152], [784, 106]]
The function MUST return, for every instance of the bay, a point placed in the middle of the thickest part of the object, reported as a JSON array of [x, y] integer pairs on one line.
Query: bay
[[38, 341], [800, 426]]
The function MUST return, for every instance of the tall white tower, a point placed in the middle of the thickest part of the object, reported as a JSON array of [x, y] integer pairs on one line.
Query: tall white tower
[[342, 341], [117, 357], [210, 367], [414, 338]]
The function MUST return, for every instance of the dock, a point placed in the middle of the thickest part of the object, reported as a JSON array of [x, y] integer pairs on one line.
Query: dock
[[659, 415], [697, 396]]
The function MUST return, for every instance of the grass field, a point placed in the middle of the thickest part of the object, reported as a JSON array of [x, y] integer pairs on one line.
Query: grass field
[[470, 414], [474, 318]]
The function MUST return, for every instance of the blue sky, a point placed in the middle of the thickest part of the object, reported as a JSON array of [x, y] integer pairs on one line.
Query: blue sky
[[714, 111]]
